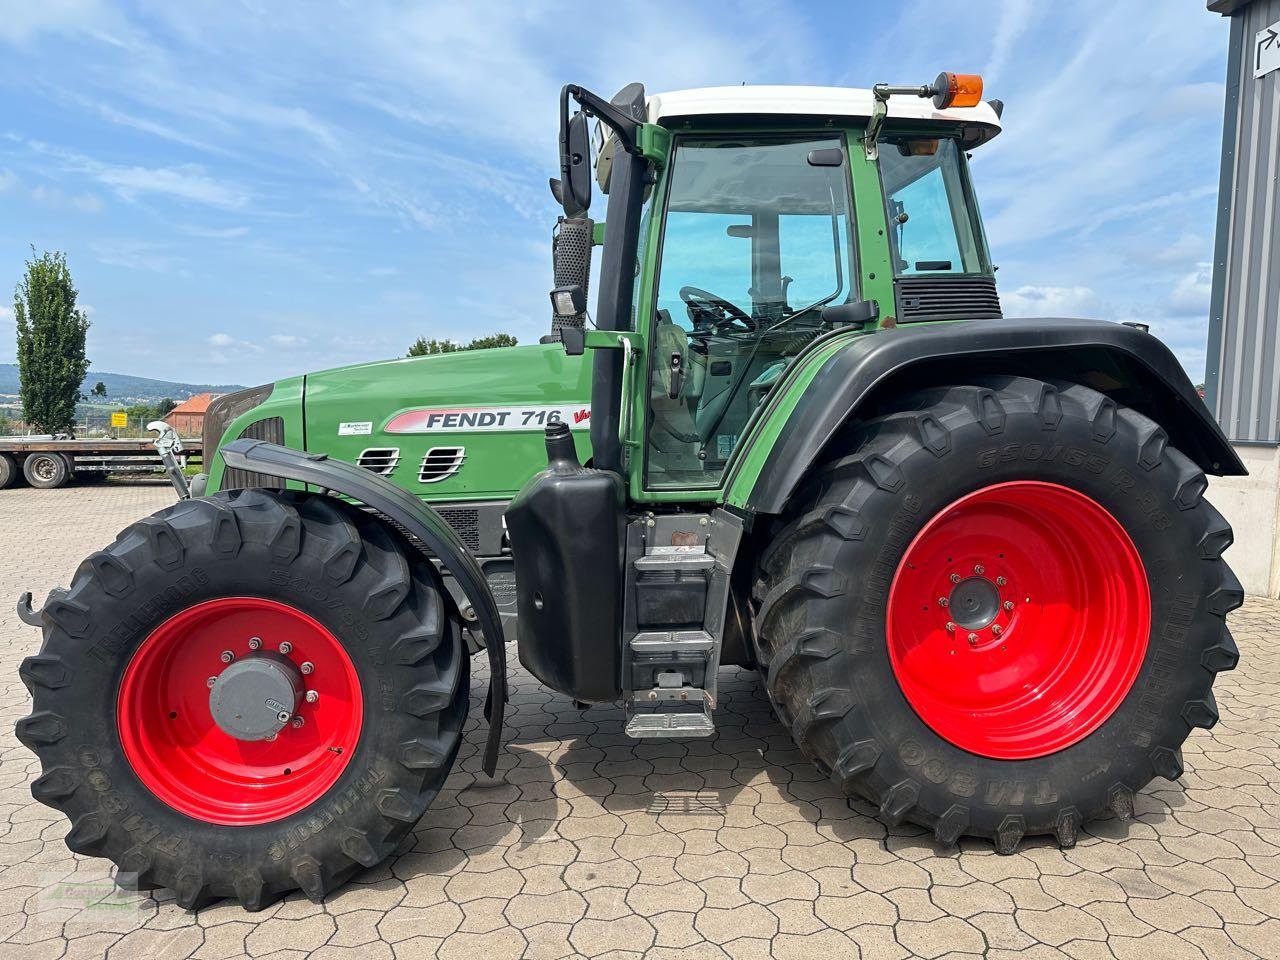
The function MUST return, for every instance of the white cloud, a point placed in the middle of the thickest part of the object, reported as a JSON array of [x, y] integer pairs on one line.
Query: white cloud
[[1015, 17], [217, 233], [1190, 293], [22, 21], [133, 255], [7, 179], [187, 182], [58, 200], [1049, 301], [287, 340]]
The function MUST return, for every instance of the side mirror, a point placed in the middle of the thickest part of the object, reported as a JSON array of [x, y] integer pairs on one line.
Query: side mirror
[[574, 191], [858, 314]]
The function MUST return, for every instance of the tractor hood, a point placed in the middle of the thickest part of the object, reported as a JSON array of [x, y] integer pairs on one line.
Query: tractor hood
[[453, 426]]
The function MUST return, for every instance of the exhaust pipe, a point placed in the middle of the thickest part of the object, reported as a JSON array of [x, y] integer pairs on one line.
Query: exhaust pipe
[[571, 264]]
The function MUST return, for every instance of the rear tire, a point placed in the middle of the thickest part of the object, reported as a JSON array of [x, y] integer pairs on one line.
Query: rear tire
[[828, 582], [101, 689], [9, 472], [46, 471]]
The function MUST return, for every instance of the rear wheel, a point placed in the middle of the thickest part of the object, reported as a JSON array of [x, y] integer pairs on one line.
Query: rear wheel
[[46, 471], [246, 695], [9, 472], [1003, 614]]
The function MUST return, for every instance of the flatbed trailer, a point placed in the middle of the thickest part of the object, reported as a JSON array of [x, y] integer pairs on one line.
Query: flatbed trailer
[[51, 462]]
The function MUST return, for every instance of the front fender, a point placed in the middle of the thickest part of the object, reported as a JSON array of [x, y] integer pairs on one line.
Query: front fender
[[418, 519], [1127, 364]]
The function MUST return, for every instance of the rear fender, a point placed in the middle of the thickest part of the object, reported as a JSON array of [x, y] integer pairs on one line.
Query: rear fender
[[1125, 363], [419, 520]]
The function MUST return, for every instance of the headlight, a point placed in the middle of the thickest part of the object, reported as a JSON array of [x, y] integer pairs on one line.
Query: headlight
[[222, 411]]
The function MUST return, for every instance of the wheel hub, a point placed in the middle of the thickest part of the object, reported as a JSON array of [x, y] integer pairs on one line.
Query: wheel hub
[[1018, 619], [974, 603], [254, 698], [240, 710]]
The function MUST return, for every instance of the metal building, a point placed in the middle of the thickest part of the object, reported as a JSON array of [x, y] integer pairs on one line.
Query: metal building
[[1242, 370], [1242, 375]]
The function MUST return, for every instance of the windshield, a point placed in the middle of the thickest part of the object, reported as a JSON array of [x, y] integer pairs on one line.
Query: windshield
[[757, 239], [932, 216]]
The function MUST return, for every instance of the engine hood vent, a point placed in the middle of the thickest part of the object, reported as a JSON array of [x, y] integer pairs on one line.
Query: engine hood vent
[[947, 298], [441, 462], [379, 460]]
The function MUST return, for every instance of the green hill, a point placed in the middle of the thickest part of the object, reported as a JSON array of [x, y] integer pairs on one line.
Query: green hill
[[122, 387]]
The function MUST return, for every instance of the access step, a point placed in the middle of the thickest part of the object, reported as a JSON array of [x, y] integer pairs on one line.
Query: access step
[[672, 641], [675, 560], [670, 725]]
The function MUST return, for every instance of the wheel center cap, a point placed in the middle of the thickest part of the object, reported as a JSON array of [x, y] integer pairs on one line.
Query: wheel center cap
[[255, 697], [974, 603]]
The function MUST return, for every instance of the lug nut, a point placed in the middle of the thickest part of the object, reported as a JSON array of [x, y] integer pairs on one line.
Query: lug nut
[[312, 696], [973, 639], [979, 569], [1001, 581], [283, 716], [951, 627], [996, 629], [307, 667], [227, 656], [943, 602], [1008, 604], [286, 647], [211, 681], [255, 643], [297, 722], [955, 578]]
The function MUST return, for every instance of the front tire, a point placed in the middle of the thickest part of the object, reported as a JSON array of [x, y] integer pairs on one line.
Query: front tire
[[125, 721], [1002, 615]]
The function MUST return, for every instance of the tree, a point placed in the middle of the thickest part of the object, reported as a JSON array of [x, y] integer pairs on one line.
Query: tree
[[51, 333], [163, 408], [423, 347], [99, 389]]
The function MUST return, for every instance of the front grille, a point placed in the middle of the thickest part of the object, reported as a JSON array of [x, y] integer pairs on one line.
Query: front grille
[[947, 298], [466, 524], [439, 463], [270, 429], [379, 460]]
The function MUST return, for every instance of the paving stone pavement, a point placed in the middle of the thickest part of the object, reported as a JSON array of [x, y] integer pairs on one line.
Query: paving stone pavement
[[591, 844]]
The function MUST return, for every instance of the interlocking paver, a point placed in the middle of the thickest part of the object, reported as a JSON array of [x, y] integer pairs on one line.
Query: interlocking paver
[[590, 844]]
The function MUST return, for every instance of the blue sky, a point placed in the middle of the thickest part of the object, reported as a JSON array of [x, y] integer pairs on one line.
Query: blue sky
[[247, 190]]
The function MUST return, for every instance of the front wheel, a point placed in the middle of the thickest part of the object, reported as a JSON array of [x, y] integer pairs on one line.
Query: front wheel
[[246, 695], [1003, 614]]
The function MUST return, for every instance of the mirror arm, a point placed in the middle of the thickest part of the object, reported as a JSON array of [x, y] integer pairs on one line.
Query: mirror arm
[[626, 128]]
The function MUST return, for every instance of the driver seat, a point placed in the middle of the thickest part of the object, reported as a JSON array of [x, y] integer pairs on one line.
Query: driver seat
[[673, 430]]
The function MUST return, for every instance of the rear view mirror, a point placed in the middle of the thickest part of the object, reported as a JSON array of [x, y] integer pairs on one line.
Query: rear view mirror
[[574, 191], [858, 313]]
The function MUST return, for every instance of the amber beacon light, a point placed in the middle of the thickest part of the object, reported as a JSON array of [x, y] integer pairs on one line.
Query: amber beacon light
[[957, 90]]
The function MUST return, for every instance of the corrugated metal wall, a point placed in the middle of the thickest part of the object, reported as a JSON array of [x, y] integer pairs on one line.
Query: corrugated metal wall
[[1243, 366]]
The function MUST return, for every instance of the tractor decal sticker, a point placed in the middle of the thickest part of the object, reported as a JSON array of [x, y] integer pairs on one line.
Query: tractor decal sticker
[[355, 429], [488, 418]]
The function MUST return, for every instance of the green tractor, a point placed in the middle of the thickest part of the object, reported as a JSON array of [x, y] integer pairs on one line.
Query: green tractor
[[970, 557]]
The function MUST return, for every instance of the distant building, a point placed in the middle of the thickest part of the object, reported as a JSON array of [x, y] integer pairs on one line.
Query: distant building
[[187, 418], [1242, 374]]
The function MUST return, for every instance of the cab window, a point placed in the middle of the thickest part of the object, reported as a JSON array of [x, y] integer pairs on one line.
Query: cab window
[[757, 239]]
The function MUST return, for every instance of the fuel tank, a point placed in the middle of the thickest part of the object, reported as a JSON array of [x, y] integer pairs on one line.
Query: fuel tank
[[567, 531]]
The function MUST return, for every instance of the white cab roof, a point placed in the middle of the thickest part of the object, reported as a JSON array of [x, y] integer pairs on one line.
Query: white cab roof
[[814, 102]]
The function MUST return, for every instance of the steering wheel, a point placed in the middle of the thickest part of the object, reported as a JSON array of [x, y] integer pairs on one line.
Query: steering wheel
[[703, 303]]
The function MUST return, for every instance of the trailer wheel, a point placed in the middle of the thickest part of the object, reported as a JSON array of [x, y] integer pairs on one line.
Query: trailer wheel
[[1003, 614], [46, 471], [246, 695], [9, 472]]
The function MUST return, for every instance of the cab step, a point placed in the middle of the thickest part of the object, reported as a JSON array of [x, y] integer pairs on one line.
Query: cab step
[[662, 642], [670, 725]]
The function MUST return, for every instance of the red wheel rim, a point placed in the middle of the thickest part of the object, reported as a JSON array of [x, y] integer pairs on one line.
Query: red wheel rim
[[179, 752], [1069, 615]]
